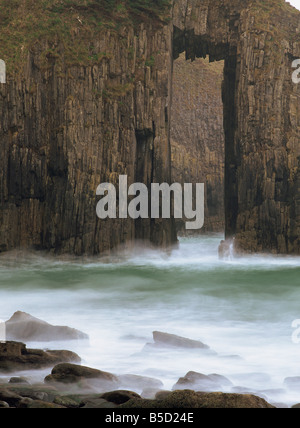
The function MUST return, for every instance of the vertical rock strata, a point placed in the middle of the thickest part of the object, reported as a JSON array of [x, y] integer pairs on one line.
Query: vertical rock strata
[[258, 42], [65, 128]]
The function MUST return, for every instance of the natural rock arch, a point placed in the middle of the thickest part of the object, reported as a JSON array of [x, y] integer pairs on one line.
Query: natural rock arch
[[66, 127], [258, 42]]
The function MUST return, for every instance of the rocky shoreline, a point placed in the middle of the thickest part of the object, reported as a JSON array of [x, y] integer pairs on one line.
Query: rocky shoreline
[[69, 384]]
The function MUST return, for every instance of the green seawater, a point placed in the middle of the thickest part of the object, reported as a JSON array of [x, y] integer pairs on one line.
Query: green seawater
[[242, 308]]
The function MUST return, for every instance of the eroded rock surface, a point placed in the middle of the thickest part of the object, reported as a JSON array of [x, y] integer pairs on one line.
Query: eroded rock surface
[[15, 356]]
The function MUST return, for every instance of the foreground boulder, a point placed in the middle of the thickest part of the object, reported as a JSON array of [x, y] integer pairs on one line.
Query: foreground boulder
[[14, 356], [188, 399], [26, 328], [200, 382], [75, 374], [171, 340], [119, 397]]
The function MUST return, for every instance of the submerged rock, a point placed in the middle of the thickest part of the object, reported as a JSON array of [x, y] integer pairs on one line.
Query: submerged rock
[[14, 356], [74, 374], [188, 399], [171, 340], [19, 380], [201, 382], [136, 382], [26, 328]]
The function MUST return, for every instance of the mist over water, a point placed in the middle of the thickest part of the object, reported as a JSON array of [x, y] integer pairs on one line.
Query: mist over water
[[243, 309]]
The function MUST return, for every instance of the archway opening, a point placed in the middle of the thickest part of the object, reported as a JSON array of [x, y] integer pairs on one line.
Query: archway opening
[[197, 134]]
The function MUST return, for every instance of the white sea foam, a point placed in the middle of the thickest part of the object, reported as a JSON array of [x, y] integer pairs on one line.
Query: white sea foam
[[241, 307]]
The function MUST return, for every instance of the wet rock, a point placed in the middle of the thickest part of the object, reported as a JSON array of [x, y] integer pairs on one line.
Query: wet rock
[[10, 397], [19, 380], [194, 400], [97, 403], [4, 405], [224, 250], [201, 382], [74, 374], [26, 328], [65, 401], [37, 404], [25, 403], [171, 340], [161, 395], [119, 397], [139, 383], [14, 356], [35, 392]]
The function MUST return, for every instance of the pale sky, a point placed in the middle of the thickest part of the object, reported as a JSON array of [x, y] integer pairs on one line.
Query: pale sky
[[295, 3]]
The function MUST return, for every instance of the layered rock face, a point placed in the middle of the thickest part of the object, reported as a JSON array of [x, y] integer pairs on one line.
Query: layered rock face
[[197, 135], [258, 42], [67, 128]]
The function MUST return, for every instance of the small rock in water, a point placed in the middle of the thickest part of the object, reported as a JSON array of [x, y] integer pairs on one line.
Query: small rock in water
[[171, 340], [200, 382], [19, 380], [26, 328], [139, 383]]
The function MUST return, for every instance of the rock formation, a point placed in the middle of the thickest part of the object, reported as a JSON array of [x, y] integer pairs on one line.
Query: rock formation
[[74, 374], [200, 382], [171, 340], [197, 135], [14, 356], [188, 399], [26, 328], [258, 42], [68, 124]]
